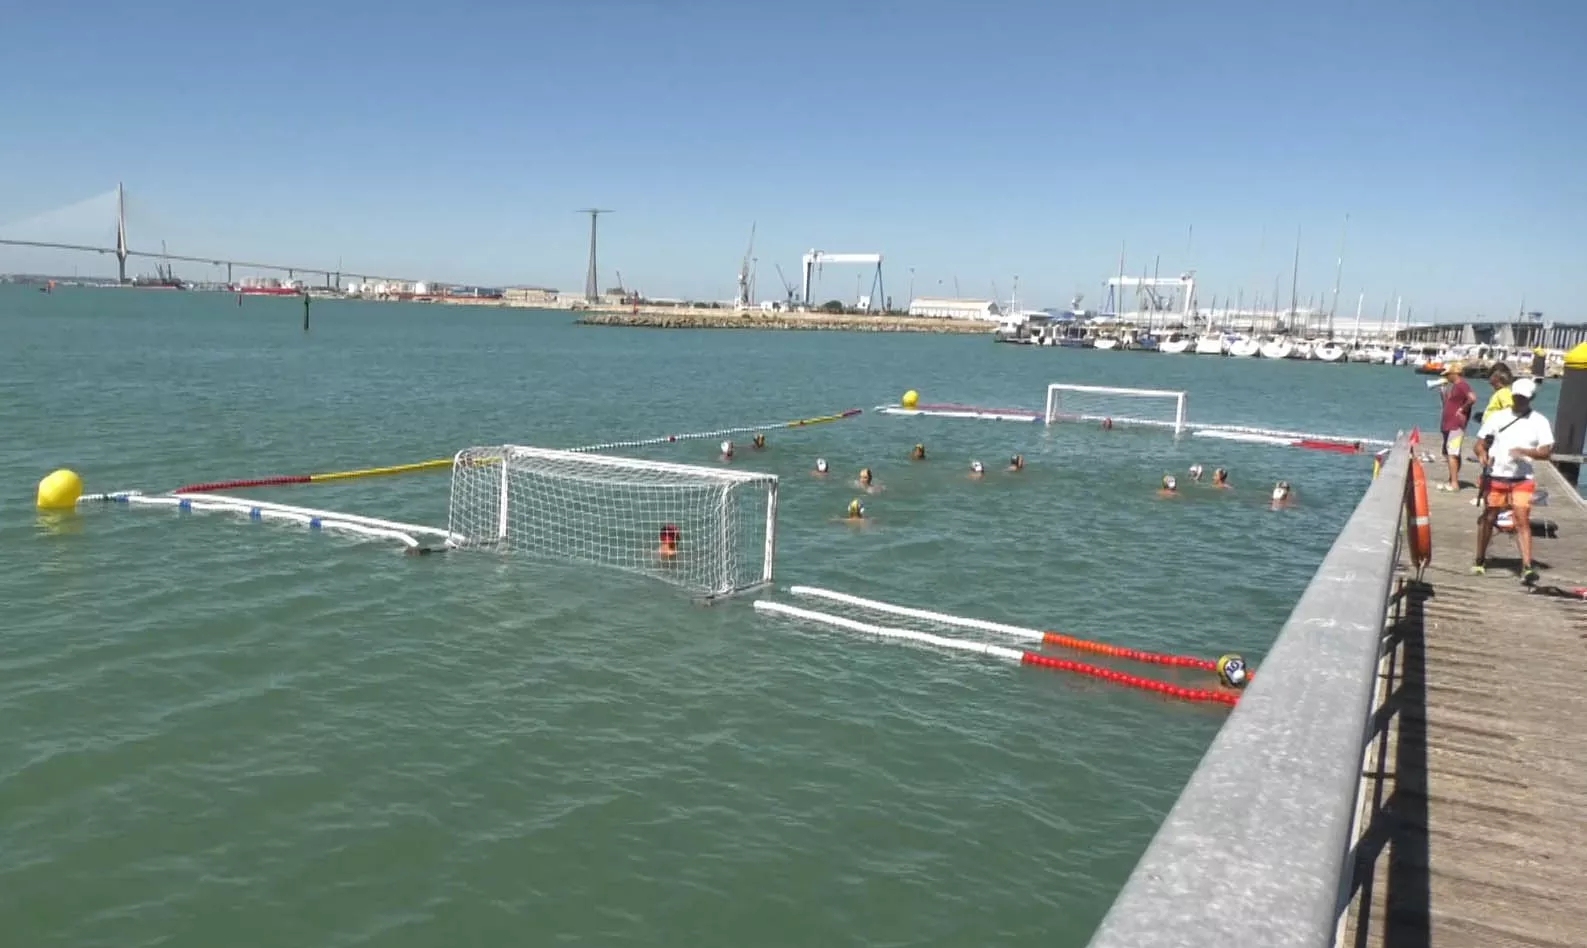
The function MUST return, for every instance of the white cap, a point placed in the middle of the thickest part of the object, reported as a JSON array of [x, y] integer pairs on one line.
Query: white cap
[[1523, 388], [821, 464], [727, 447]]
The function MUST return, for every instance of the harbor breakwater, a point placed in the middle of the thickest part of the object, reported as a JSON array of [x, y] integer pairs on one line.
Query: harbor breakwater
[[729, 319]]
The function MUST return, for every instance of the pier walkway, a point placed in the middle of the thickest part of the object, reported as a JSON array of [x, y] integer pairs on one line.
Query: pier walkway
[[1408, 769], [1474, 831]]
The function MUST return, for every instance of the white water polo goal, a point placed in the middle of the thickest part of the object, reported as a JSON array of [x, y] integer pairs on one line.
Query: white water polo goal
[[1149, 407], [709, 530]]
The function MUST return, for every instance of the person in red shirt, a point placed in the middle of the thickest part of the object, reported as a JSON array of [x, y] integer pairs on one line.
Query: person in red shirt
[[1458, 399]]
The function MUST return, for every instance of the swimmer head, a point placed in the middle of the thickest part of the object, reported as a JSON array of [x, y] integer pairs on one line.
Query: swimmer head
[[821, 465], [760, 440], [669, 533], [727, 449], [856, 509], [1017, 462], [919, 452], [1169, 483], [1220, 476], [976, 468], [1281, 490], [865, 476], [1195, 472]]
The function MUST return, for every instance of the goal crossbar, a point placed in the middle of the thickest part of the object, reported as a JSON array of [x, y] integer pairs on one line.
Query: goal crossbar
[[613, 462]]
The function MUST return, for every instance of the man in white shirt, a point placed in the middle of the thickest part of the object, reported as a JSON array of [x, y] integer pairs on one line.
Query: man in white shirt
[[1507, 443]]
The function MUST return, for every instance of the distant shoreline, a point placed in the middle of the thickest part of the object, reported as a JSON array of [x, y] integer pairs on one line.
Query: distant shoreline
[[677, 318]]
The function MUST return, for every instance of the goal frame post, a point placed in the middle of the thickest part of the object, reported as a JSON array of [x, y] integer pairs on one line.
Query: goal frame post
[[1179, 425], [724, 478]]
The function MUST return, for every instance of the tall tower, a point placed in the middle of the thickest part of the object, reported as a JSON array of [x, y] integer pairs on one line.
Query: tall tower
[[592, 287], [121, 232]]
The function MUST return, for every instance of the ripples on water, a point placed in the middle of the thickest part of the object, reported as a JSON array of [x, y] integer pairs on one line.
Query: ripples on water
[[218, 731]]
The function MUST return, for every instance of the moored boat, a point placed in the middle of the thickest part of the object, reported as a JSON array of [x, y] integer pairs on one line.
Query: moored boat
[[1278, 347], [1244, 347]]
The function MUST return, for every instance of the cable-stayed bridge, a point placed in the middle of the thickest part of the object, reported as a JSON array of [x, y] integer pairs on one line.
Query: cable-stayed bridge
[[98, 225]]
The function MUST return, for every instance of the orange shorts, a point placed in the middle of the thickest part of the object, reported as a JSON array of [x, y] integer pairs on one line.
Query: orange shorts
[[1516, 494]]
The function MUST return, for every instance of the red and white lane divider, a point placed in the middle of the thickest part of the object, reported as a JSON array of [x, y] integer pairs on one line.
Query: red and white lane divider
[[1015, 655]]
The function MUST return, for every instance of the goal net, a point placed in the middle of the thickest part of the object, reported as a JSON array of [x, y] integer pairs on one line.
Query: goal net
[[1156, 408], [709, 530]]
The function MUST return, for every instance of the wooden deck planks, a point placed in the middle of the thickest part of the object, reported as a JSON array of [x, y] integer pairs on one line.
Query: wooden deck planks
[[1475, 829]]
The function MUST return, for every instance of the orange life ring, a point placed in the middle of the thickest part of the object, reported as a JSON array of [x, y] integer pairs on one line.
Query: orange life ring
[[1418, 525]]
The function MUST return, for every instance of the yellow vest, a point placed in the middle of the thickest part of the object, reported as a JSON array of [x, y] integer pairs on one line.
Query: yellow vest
[[1501, 399]]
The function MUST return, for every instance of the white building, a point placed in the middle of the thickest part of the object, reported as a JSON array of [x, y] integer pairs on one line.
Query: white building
[[942, 308]]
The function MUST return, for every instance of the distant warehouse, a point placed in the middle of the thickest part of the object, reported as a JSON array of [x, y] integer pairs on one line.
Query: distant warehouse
[[940, 308]]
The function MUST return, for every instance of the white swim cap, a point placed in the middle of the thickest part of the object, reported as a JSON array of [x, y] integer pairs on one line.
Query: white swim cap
[[1195, 470], [1169, 482], [976, 467], [1278, 493], [821, 465], [727, 447]]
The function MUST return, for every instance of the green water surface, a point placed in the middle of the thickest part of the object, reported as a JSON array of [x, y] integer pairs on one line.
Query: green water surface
[[220, 732]]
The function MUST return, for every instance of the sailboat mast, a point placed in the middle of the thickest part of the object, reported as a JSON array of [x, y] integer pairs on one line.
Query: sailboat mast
[[1118, 293], [1339, 269], [1294, 277], [1359, 300]]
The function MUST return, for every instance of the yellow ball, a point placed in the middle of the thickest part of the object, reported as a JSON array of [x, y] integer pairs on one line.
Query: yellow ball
[[60, 490], [910, 399]]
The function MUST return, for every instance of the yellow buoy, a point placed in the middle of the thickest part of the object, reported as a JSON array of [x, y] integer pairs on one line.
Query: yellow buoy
[[1577, 357], [910, 399], [60, 490]]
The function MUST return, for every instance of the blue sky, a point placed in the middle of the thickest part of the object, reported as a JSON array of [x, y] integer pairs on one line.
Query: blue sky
[[969, 141]]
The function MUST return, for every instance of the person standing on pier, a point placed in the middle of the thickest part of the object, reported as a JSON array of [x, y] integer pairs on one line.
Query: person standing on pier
[[1509, 440], [1499, 377], [1458, 399]]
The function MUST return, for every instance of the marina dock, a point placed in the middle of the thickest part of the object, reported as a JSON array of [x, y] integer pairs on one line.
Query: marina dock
[[1408, 768], [1476, 785]]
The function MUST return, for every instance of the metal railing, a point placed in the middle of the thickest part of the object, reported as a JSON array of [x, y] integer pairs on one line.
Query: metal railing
[[1258, 848]]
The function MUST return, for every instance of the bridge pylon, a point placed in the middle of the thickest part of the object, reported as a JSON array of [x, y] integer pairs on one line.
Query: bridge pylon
[[121, 233]]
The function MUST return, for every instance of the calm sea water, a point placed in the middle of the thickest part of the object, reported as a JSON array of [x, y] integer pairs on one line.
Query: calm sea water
[[224, 732]]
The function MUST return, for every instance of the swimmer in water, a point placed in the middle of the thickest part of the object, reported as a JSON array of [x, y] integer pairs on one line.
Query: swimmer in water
[[1195, 472], [867, 480], [669, 542], [856, 510], [1170, 487], [976, 470], [727, 450], [821, 467], [918, 454], [1107, 424], [759, 441], [1017, 462], [1282, 495], [1220, 479]]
